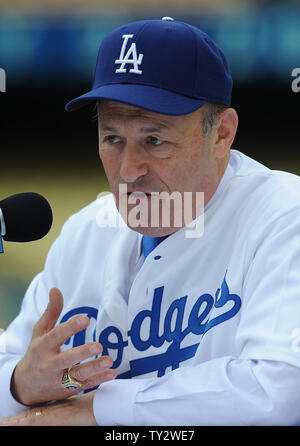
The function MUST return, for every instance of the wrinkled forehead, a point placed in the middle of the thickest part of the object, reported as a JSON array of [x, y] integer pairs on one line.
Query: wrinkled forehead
[[109, 111], [107, 108]]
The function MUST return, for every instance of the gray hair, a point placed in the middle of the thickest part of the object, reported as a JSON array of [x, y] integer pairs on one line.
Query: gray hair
[[210, 115]]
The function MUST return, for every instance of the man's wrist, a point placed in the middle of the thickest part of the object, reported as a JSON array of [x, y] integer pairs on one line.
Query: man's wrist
[[14, 390]]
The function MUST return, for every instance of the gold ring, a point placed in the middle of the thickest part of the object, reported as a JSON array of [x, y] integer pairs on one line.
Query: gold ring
[[69, 383]]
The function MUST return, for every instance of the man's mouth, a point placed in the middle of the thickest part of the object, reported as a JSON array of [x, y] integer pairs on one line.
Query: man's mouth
[[137, 193]]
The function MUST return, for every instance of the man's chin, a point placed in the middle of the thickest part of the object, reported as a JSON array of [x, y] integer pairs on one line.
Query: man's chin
[[153, 232]]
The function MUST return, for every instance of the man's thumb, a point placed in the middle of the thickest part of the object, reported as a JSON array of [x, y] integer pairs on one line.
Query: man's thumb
[[51, 314]]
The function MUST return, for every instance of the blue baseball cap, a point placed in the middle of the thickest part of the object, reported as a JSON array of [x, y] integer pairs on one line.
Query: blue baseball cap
[[164, 66]]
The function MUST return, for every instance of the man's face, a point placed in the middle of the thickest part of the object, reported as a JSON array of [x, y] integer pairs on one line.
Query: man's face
[[149, 152]]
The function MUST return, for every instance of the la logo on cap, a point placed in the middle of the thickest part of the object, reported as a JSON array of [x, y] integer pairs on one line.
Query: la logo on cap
[[124, 60]]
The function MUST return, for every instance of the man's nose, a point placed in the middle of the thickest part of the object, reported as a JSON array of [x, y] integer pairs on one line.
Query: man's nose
[[133, 163]]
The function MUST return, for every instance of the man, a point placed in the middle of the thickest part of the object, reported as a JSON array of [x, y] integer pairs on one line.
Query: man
[[197, 326]]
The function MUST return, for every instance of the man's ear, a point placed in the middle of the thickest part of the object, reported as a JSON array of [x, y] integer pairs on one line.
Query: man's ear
[[226, 129]]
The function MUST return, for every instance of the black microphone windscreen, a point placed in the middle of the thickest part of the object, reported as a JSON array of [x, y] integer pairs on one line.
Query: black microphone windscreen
[[27, 217]]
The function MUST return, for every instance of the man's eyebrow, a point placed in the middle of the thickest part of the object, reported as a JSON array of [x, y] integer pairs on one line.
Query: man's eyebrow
[[153, 129], [150, 129], [106, 128]]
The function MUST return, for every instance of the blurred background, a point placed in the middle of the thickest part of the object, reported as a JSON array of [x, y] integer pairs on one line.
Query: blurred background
[[48, 50]]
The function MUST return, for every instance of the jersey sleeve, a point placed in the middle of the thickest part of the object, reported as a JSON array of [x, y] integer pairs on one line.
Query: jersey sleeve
[[271, 291], [58, 267], [15, 340], [222, 392], [257, 386]]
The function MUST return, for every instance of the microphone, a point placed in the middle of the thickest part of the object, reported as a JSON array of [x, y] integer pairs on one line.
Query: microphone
[[24, 217]]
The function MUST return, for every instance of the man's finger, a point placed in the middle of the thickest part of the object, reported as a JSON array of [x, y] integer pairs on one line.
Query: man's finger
[[96, 380], [74, 355], [51, 314], [35, 416], [88, 369], [62, 332], [74, 411]]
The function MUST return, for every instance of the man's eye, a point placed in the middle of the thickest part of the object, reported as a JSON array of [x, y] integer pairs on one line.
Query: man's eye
[[155, 141], [112, 139]]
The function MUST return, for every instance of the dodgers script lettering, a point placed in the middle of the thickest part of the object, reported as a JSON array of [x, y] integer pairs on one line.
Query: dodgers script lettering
[[168, 342]]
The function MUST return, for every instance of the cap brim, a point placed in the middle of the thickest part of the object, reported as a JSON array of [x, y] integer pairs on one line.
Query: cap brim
[[143, 96]]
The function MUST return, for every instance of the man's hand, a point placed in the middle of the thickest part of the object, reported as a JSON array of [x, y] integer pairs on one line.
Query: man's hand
[[37, 377], [75, 411]]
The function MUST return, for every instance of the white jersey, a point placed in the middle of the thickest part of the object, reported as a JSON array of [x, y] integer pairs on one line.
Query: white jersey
[[203, 331]]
